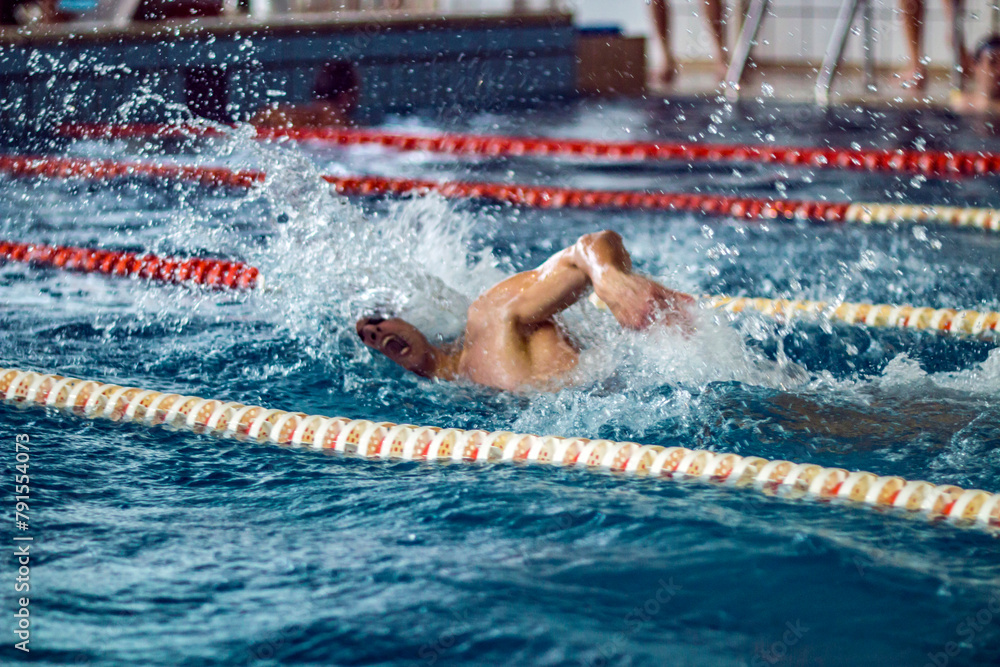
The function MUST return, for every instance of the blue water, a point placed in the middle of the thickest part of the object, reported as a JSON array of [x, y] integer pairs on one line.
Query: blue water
[[155, 547]]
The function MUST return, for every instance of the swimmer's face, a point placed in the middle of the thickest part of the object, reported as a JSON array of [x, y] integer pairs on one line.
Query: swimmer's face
[[400, 341], [988, 73]]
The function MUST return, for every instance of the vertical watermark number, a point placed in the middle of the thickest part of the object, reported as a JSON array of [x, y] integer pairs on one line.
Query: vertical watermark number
[[22, 540]]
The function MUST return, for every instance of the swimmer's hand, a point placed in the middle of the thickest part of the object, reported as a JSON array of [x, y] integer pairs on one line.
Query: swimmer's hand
[[638, 302]]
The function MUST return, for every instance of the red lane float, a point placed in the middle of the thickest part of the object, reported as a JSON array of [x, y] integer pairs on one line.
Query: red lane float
[[930, 163], [63, 167], [536, 196], [526, 195], [746, 208], [213, 273]]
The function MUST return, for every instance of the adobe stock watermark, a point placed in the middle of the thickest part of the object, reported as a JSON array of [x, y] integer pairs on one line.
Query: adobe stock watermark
[[775, 652], [966, 630], [885, 546], [431, 652], [634, 621], [22, 542], [268, 647], [112, 626]]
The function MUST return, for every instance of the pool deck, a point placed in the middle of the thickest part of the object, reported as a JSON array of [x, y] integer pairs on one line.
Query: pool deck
[[796, 83], [470, 49], [228, 68]]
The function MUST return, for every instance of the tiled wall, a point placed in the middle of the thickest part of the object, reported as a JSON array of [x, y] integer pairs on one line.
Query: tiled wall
[[304, 6], [402, 68], [795, 30]]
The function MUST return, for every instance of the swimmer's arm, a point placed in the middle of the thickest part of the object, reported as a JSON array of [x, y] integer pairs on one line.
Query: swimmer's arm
[[600, 260], [551, 288], [594, 260], [634, 300]]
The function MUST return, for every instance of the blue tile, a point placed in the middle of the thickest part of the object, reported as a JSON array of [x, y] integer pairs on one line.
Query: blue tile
[[400, 69], [302, 80], [182, 54], [266, 51], [82, 97], [93, 57], [13, 60], [382, 46], [17, 101], [142, 55], [48, 61], [431, 43]]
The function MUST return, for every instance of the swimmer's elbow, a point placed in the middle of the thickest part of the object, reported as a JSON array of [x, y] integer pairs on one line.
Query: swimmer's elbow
[[517, 314], [602, 250], [606, 238], [526, 313]]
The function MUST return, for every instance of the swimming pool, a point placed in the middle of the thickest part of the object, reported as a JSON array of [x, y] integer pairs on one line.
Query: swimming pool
[[158, 547]]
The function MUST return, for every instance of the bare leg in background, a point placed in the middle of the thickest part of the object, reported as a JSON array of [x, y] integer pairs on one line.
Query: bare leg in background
[[915, 75], [714, 13], [661, 23]]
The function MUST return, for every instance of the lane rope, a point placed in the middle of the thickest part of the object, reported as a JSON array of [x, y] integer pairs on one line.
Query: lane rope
[[214, 273], [929, 163], [221, 274], [536, 196], [944, 320], [384, 440]]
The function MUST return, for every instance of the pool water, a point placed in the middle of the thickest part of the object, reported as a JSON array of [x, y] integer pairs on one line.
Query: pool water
[[155, 547]]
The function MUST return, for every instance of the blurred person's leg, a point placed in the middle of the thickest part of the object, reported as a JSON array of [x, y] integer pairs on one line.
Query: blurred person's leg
[[714, 12], [915, 75], [951, 9], [661, 23]]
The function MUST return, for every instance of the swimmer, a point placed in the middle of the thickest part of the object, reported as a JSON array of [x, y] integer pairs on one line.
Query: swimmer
[[26, 12], [511, 340], [335, 96], [985, 95]]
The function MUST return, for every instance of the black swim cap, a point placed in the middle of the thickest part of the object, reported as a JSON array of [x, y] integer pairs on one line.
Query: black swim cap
[[335, 79], [988, 43]]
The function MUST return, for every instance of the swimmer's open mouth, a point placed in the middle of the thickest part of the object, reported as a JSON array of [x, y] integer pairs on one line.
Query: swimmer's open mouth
[[394, 345]]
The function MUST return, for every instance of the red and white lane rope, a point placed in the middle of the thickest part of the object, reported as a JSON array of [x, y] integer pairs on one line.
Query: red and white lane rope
[[537, 196], [209, 272], [930, 163], [223, 274], [383, 440], [67, 167]]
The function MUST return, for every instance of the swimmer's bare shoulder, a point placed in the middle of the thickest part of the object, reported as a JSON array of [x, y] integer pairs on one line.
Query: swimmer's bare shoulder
[[496, 346]]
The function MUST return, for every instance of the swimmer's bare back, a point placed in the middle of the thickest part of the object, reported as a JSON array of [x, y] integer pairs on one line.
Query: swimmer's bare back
[[512, 340], [317, 113]]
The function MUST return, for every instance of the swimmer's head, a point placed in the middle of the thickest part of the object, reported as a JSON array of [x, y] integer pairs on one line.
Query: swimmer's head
[[337, 82], [987, 63], [987, 44], [400, 341]]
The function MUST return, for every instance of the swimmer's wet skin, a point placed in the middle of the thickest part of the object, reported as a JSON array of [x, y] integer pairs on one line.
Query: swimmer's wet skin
[[511, 340]]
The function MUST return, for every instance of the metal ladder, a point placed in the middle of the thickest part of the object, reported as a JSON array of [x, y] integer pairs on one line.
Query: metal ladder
[[835, 51], [741, 52], [831, 61]]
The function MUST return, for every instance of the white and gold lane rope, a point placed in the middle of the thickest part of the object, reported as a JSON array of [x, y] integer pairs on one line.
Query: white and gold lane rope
[[945, 320], [977, 323], [383, 440], [221, 274], [987, 219]]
